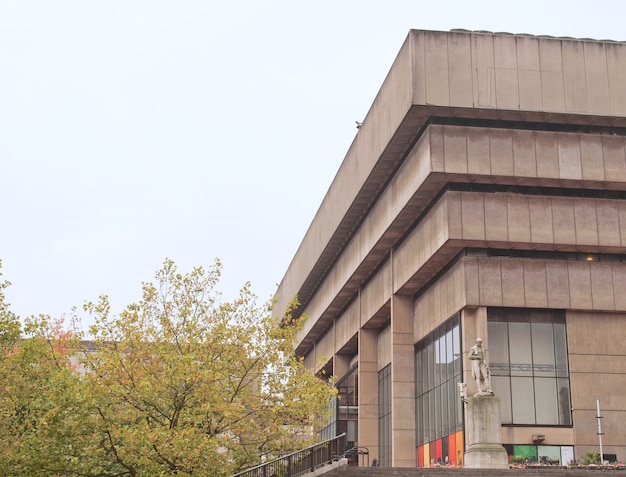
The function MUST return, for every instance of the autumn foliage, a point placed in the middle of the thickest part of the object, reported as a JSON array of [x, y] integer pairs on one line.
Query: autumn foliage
[[180, 383]]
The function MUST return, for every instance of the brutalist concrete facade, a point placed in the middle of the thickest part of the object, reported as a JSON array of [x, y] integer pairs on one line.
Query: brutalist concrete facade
[[488, 177]]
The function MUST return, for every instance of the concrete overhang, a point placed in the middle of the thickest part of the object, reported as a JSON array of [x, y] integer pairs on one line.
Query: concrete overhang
[[518, 81]]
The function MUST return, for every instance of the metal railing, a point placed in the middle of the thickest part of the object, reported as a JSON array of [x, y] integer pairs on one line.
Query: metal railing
[[301, 461], [360, 455]]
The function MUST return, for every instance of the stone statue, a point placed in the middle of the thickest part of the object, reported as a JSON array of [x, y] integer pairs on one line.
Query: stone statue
[[480, 368]]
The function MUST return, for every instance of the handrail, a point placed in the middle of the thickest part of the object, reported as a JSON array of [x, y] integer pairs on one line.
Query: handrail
[[301, 461], [359, 451]]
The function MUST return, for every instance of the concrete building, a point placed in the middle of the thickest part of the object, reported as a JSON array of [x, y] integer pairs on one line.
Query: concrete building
[[483, 196]]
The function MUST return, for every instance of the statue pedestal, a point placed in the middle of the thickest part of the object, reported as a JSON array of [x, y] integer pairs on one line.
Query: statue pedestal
[[484, 449]]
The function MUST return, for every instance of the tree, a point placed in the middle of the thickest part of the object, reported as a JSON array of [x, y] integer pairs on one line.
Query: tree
[[10, 328], [180, 383], [187, 384], [41, 404]]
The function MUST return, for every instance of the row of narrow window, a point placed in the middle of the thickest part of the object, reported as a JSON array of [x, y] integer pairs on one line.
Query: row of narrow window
[[528, 361]]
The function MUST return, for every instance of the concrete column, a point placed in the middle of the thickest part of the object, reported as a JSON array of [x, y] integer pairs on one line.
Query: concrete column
[[402, 382], [368, 391], [341, 365]]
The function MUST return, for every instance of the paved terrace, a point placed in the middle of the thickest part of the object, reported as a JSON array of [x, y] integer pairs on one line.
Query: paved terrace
[[453, 472]]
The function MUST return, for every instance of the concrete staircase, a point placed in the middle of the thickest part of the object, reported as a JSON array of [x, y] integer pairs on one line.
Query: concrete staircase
[[453, 472]]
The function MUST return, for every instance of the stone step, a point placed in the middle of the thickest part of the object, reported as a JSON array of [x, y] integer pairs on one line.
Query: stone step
[[456, 472]]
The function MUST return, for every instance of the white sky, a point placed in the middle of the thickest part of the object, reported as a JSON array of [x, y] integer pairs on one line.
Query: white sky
[[132, 131]]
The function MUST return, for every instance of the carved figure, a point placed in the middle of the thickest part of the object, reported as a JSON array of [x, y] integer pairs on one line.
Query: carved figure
[[480, 368]]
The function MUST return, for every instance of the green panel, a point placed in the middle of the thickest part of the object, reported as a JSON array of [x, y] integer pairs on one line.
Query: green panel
[[529, 452]]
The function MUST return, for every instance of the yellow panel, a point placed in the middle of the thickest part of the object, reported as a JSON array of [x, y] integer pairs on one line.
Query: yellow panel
[[459, 448]]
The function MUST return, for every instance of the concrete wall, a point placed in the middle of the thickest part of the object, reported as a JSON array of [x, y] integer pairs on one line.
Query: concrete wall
[[518, 72], [597, 360], [383, 119], [526, 151], [597, 356], [446, 153], [468, 74], [384, 347]]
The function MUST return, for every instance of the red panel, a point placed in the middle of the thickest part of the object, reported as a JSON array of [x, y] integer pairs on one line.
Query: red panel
[[451, 449], [420, 456], [439, 450]]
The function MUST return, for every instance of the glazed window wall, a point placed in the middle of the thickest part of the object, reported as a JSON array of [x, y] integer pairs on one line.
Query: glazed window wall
[[384, 416], [344, 415], [328, 427], [438, 407], [529, 369], [544, 454], [348, 407]]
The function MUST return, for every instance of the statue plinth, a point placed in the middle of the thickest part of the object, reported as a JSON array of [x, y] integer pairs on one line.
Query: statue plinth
[[484, 449]]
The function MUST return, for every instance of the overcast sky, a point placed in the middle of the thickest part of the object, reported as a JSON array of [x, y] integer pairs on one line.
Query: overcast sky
[[132, 131]]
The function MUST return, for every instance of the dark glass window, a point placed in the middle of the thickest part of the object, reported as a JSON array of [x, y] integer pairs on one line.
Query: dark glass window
[[528, 361], [345, 410], [328, 427], [438, 407], [384, 416], [348, 406]]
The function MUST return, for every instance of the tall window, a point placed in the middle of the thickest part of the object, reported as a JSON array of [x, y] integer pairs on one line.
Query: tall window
[[348, 406], [345, 410], [529, 370], [438, 411], [328, 424], [384, 416]]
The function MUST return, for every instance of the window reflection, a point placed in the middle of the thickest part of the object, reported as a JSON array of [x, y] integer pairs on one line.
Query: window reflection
[[523, 403], [548, 411], [348, 405], [384, 416], [543, 349], [528, 360], [437, 374], [520, 349]]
